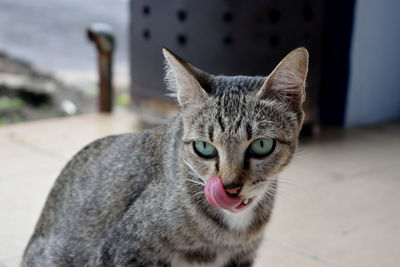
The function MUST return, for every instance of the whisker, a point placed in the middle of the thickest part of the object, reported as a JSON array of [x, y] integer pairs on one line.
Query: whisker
[[268, 195], [278, 195], [301, 152], [195, 196], [193, 170], [198, 193], [282, 192], [291, 185], [200, 180], [196, 182]]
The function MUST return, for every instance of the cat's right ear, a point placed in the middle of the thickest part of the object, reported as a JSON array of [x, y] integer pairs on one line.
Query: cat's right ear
[[182, 80]]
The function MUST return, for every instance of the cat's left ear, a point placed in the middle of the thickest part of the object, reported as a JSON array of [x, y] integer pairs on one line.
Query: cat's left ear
[[287, 81], [184, 80]]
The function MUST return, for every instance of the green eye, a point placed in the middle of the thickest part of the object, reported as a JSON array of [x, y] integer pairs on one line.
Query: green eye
[[262, 147], [204, 149]]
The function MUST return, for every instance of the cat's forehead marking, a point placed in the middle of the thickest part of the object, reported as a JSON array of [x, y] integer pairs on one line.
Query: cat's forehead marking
[[211, 133], [236, 84], [233, 114], [228, 118], [249, 131], [242, 117]]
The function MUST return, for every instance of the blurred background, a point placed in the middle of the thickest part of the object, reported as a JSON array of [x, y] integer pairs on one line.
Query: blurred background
[[95, 67], [48, 63], [48, 67]]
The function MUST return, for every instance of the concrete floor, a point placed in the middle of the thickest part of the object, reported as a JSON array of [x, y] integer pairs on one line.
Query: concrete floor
[[338, 204]]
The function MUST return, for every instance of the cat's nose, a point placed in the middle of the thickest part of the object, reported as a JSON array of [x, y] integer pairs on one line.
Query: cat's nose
[[232, 189]]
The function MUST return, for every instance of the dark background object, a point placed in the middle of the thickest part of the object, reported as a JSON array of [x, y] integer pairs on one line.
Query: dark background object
[[234, 37], [335, 64]]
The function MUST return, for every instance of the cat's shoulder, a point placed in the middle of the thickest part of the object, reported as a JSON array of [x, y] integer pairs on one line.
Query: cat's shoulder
[[125, 141]]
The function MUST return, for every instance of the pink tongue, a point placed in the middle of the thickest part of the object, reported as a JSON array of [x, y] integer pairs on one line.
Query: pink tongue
[[216, 195]]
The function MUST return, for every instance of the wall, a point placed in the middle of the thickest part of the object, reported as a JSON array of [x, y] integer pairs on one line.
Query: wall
[[374, 82]]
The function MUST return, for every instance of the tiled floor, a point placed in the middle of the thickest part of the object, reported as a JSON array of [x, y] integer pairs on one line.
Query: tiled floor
[[338, 204]]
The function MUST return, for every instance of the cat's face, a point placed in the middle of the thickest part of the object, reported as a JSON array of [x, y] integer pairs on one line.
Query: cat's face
[[239, 129], [240, 139]]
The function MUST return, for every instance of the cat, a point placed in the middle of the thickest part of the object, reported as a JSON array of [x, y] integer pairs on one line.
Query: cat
[[197, 191]]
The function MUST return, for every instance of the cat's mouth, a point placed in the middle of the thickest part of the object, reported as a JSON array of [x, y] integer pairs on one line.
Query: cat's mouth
[[218, 197], [245, 203]]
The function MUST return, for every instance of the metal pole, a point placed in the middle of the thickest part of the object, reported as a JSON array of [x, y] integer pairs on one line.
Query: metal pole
[[101, 34]]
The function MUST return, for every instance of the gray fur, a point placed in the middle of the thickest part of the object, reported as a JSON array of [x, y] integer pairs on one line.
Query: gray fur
[[136, 199]]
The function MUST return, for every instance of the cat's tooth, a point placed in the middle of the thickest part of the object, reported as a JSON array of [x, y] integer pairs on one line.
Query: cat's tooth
[[246, 201]]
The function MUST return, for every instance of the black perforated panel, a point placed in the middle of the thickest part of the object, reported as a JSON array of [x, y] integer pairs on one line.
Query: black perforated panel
[[222, 37]]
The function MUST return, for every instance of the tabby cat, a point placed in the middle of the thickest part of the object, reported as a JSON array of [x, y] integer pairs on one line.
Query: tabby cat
[[197, 191]]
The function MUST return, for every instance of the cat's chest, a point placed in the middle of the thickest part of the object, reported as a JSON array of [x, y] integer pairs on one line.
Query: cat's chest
[[239, 221]]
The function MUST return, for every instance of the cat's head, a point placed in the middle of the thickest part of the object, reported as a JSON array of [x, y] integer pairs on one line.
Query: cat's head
[[242, 130]]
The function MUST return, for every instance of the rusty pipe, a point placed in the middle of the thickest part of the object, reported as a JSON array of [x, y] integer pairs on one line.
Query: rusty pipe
[[102, 36]]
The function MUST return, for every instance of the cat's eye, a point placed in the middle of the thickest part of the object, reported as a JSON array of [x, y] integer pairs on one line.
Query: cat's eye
[[204, 149], [262, 147]]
